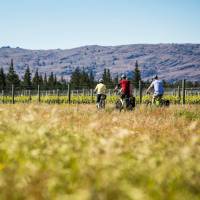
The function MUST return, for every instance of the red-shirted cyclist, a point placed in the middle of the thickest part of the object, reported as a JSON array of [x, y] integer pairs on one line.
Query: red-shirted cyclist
[[126, 97], [124, 86]]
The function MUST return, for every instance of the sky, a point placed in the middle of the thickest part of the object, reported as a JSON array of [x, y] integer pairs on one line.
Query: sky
[[65, 24]]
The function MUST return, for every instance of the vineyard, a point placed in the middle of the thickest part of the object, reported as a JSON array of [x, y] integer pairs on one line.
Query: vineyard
[[87, 99]]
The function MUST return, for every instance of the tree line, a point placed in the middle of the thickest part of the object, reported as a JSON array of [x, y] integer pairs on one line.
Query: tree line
[[28, 82], [79, 79]]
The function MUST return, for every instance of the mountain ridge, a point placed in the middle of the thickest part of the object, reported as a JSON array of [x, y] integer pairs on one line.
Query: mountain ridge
[[170, 61]]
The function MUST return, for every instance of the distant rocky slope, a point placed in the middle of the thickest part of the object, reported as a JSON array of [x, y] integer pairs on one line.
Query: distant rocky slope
[[170, 61]]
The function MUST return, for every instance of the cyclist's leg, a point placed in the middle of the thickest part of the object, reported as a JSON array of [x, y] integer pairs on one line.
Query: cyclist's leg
[[153, 99], [127, 96], [122, 97], [98, 99]]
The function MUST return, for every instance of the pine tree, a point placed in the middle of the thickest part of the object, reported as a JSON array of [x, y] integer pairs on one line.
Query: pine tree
[[107, 78], [36, 79], [137, 76], [75, 78], [55, 81], [84, 79], [27, 79], [45, 82], [12, 77], [2, 79], [104, 76], [91, 79], [41, 82], [51, 81], [63, 83]]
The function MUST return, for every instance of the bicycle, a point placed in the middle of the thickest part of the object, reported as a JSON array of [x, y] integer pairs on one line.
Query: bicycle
[[126, 103], [102, 102], [159, 102]]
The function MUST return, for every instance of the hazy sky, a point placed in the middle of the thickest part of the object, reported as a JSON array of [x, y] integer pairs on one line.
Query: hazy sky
[[47, 24]]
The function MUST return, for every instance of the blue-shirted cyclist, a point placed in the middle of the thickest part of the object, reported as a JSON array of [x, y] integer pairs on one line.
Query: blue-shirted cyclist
[[158, 89]]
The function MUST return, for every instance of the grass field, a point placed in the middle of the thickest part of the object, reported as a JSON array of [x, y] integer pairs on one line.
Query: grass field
[[75, 152]]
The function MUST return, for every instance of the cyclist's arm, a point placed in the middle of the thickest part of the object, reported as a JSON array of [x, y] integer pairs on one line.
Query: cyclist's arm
[[150, 87], [117, 87]]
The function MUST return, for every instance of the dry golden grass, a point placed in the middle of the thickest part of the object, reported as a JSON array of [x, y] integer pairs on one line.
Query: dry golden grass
[[77, 152]]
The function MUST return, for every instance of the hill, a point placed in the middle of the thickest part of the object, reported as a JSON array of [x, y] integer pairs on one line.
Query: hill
[[170, 61]]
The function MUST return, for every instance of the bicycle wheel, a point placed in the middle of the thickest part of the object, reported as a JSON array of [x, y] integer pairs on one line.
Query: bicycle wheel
[[118, 105], [102, 103]]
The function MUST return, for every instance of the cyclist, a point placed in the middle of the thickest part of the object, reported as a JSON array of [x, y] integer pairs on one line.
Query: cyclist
[[100, 89], [158, 89], [124, 87]]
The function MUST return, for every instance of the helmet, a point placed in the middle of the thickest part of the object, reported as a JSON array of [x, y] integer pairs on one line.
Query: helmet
[[100, 80], [155, 77], [123, 76]]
